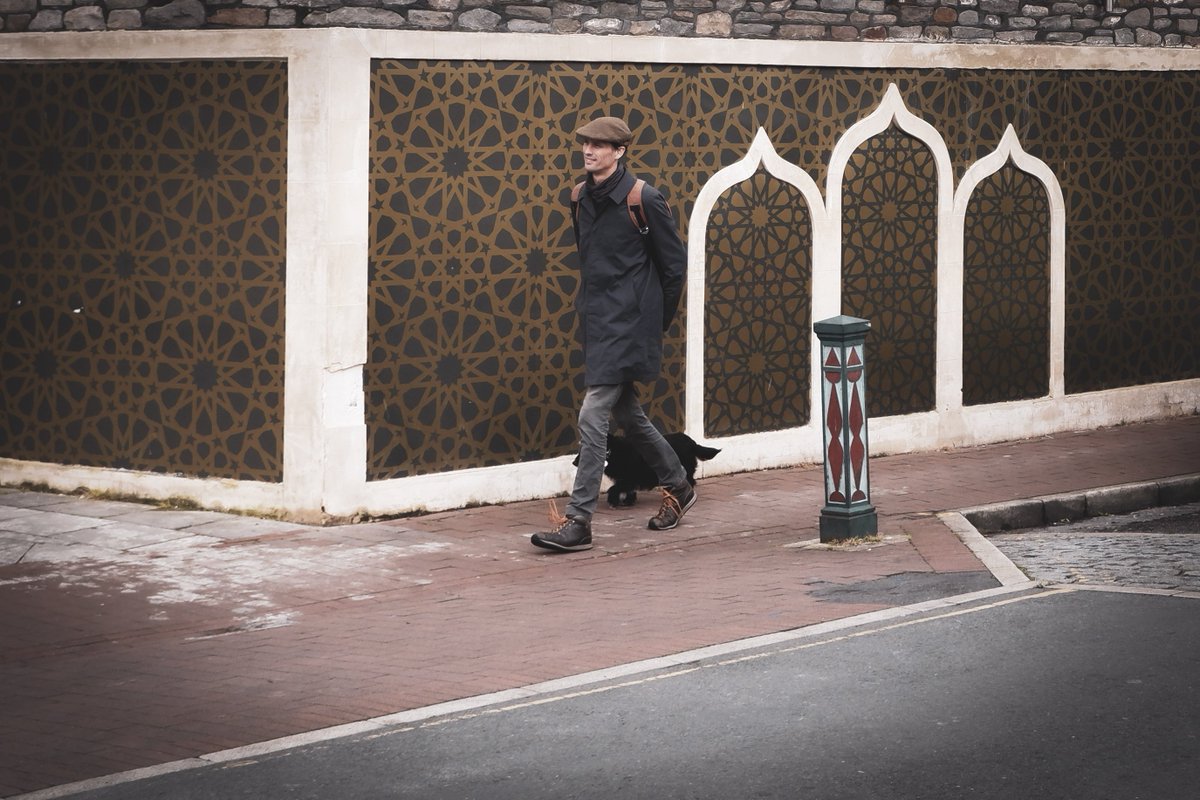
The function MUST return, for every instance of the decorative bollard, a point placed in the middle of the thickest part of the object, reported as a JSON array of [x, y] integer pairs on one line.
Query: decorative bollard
[[848, 511]]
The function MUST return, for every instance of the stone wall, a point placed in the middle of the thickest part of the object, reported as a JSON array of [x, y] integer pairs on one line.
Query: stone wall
[[1166, 23]]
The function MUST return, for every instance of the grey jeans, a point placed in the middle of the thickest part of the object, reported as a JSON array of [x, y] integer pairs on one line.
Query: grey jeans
[[621, 402]]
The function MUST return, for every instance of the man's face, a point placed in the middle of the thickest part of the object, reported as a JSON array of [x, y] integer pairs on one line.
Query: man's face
[[600, 158]]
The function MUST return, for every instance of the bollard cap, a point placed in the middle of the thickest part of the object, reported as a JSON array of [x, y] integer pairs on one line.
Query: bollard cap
[[841, 326]]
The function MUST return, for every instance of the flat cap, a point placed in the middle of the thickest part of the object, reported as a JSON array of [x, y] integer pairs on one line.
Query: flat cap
[[606, 129]]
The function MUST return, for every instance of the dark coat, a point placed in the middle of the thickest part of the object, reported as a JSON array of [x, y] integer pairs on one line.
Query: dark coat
[[630, 284]]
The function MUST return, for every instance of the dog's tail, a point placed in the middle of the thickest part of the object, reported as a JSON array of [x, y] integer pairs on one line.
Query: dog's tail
[[705, 453]]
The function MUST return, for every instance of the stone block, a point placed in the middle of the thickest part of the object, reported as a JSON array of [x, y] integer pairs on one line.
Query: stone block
[[797, 32], [357, 18], [999, 6], [945, 15], [675, 27], [124, 19], [601, 26], [1146, 38], [239, 17], [844, 33], [15, 23], [814, 17], [574, 10], [625, 11], [18, 6], [528, 26], [479, 19], [1138, 18], [176, 15], [540, 13], [281, 18], [916, 15], [967, 32], [86, 18], [1016, 37], [431, 20], [1067, 37], [46, 20], [753, 31], [714, 24]]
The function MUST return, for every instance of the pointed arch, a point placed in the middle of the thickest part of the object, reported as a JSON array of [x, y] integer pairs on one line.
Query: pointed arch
[[761, 154], [892, 112], [1010, 149]]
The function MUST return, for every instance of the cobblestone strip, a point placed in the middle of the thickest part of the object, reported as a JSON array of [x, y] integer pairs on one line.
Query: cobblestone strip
[[1101, 553]]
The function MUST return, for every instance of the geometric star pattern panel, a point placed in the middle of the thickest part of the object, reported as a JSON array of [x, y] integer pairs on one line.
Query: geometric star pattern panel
[[758, 309], [472, 359], [889, 267], [142, 265], [1006, 290], [1129, 165]]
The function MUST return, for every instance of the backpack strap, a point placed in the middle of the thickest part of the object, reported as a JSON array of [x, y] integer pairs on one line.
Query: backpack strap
[[634, 203], [576, 193]]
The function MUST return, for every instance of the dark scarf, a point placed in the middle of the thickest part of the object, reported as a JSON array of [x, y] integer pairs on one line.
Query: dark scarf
[[599, 191]]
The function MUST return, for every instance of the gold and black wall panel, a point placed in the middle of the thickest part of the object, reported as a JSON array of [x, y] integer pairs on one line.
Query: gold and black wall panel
[[142, 265], [757, 309], [1006, 290], [472, 359], [889, 267]]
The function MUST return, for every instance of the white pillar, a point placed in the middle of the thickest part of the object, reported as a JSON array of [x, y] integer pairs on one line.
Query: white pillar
[[325, 455]]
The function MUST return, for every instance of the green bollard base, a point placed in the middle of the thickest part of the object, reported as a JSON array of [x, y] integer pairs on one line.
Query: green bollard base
[[838, 523]]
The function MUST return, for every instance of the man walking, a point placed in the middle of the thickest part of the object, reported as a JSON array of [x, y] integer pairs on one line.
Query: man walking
[[632, 265]]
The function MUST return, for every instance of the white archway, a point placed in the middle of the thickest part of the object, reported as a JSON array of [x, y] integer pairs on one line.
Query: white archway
[[892, 111], [1010, 149], [783, 444]]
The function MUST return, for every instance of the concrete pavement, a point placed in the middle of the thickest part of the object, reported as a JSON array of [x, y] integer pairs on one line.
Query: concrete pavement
[[135, 636]]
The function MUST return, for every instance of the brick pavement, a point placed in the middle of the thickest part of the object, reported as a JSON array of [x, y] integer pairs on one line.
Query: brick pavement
[[136, 636]]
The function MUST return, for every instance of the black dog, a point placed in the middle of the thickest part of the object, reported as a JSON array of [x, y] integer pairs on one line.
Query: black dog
[[630, 472]]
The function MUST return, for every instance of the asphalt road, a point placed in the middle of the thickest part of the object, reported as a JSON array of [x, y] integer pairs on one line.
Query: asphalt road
[[1047, 693]]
